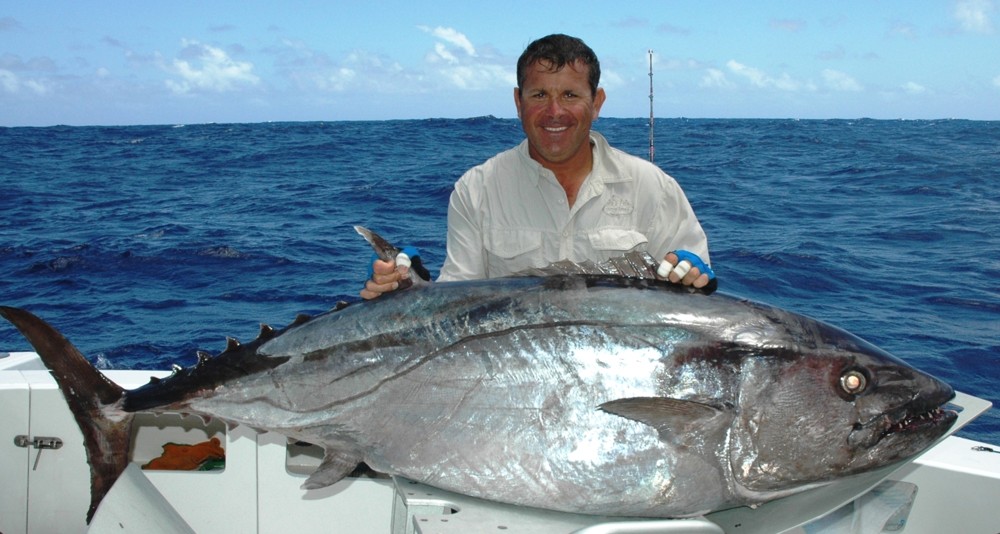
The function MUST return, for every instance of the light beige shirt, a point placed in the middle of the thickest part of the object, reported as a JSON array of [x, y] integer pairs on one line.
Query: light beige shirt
[[510, 214]]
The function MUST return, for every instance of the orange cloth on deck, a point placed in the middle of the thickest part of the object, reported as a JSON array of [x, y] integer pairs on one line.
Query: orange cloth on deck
[[178, 457]]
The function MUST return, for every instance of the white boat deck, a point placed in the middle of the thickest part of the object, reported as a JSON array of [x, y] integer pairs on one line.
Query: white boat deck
[[951, 488]]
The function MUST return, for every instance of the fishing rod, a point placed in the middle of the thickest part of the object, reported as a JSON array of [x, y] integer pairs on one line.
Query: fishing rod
[[652, 149]]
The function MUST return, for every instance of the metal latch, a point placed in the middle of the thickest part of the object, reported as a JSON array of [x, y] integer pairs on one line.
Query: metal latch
[[39, 443]]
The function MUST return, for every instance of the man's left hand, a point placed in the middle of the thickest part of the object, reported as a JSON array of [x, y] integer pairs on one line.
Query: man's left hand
[[687, 274]]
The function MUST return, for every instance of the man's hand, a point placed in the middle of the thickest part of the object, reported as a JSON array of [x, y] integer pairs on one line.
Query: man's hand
[[682, 272], [385, 278]]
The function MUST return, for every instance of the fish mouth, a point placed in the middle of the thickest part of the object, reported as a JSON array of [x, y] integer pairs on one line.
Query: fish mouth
[[922, 415], [914, 423]]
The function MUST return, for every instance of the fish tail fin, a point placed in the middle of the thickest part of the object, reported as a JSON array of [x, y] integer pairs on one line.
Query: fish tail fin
[[91, 397]]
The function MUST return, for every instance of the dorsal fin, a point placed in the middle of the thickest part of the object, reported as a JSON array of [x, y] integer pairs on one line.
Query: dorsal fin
[[636, 264]]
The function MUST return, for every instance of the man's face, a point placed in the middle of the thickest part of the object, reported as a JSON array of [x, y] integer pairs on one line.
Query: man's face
[[556, 109]]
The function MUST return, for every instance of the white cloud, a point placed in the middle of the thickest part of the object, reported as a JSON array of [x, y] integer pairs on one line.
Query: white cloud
[[12, 83], [455, 62], [441, 52], [755, 76], [715, 78], [338, 80], [36, 86], [914, 88], [478, 76], [9, 81], [363, 71], [451, 62], [609, 78], [453, 37], [759, 78], [975, 15], [840, 81], [211, 69]]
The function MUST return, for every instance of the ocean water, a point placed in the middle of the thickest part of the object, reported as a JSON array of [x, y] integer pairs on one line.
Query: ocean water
[[144, 244]]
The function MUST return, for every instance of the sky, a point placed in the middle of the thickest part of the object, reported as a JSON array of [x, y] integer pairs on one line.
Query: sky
[[114, 62]]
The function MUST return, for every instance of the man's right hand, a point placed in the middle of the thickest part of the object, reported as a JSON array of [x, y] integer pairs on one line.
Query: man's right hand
[[385, 278]]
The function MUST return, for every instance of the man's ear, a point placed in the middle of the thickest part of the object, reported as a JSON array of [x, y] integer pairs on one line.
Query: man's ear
[[598, 101]]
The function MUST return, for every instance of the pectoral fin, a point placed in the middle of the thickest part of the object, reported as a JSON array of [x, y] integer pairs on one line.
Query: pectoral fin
[[675, 419]]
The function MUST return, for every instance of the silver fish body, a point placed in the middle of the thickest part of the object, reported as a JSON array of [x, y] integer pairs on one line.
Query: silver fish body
[[588, 394]]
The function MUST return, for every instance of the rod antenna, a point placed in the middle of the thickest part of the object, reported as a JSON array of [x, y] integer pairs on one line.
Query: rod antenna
[[652, 149]]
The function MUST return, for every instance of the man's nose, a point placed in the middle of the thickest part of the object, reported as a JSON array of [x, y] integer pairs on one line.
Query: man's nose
[[555, 106]]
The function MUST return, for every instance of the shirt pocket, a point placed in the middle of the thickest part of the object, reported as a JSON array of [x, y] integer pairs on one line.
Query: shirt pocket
[[509, 251], [609, 242]]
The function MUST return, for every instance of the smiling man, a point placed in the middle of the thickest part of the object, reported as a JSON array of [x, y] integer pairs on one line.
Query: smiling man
[[564, 193], [557, 104]]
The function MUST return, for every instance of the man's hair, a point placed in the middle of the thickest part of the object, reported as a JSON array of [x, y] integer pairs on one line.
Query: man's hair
[[556, 51]]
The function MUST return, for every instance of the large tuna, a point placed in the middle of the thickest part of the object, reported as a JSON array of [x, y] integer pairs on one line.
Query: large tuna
[[590, 393]]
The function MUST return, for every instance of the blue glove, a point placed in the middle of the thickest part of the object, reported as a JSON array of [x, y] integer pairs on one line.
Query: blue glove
[[695, 261]]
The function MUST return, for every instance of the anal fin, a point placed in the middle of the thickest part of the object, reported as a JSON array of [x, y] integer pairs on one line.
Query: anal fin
[[335, 466]]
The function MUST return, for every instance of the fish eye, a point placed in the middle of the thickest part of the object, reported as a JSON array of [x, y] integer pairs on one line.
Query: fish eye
[[853, 382]]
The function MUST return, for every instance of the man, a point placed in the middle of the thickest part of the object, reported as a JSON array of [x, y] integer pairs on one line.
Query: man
[[563, 193]]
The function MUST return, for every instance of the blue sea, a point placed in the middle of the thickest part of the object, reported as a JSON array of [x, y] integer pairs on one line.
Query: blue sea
[[144, 244]]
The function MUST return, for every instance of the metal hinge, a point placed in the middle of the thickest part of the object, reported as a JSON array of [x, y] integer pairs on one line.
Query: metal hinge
[[39, 443]]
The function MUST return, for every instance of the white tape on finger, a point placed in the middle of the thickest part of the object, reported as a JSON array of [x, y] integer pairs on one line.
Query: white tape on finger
[[682, 269], [664, 269], [402, 260]]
